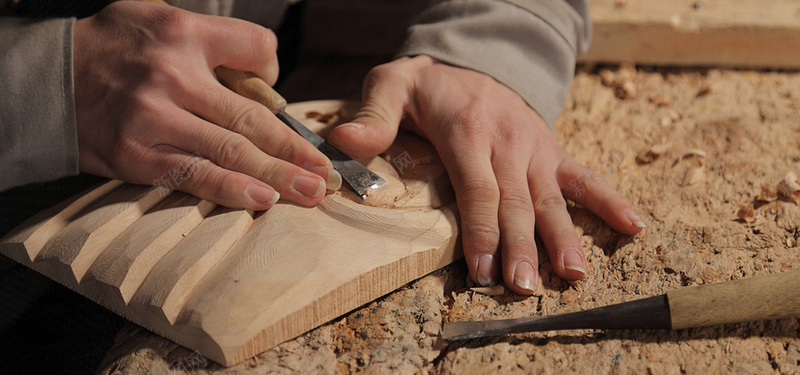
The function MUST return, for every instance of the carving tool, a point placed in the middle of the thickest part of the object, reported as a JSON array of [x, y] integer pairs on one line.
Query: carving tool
[[760, 298], [253, 87], [247, 84]]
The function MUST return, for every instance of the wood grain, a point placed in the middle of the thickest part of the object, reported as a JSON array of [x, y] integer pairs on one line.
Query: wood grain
[[720, 33], [233, 283], [759, 298]]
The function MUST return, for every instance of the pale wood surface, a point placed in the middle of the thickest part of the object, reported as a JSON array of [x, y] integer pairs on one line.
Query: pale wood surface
[[766, 297], [231, 283], [732, 33]]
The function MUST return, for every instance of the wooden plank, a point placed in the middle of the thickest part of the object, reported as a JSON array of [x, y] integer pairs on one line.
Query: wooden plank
[[170, 282], [231, 286], [724, 33], [123, 265], [73, 249], [33, 234]]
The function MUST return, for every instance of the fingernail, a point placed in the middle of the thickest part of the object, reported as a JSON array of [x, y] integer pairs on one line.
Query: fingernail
[[354, 125], [485, 265], [525, 276], [309, 186], [635, 220], [263, 194], [573, 260], [334, 181]]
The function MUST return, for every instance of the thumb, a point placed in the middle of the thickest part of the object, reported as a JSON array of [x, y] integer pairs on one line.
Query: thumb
[[374, 127]]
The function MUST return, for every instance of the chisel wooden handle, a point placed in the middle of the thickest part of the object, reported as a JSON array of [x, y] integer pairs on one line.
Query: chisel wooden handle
[[759, 298], [252, 87]]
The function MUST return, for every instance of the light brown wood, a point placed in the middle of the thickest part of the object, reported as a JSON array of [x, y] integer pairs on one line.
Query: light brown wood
[[123, 265], [759, 298], [230, 283], [729, 33]]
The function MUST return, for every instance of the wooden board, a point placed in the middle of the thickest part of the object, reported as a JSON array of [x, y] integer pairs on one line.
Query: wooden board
[[722, 33], [233, 283]]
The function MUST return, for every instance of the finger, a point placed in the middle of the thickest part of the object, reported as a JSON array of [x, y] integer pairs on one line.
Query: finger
[[234, 152], [374, 127], [590, 190], [195, 175], [255, 122], [516, 222], [555, 226], [467, 159], [240, 45]]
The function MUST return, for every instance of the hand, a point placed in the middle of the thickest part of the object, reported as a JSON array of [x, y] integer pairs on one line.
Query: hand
[[150, 109], [508, 172]]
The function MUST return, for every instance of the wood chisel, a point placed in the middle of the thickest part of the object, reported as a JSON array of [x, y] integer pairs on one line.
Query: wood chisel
[[247, 84], [760, 298], [253, 87]]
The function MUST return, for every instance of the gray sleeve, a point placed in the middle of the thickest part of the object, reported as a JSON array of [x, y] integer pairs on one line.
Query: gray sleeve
[[38, 133], [528, 45]]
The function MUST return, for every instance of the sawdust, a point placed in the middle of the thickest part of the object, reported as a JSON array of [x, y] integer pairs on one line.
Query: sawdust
[[644, 131]]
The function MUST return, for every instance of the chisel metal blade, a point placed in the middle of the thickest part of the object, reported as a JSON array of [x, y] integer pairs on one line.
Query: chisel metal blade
[[357, 176], [647, 313]]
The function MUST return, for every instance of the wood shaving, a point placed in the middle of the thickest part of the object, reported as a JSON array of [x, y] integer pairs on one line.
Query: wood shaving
[[332, 118], [747, 213], [620, 81], [693, 152], [659, 100], [768, 194], [705, 90], [496, 290], [651, 154], [789, 185], [694, 176], [789, 188]]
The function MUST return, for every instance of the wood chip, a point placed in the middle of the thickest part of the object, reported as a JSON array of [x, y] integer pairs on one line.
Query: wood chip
[[768, 194], [705, 90], [693, 152], [694, 176], [650, 155], [496, 290], [659, 100], [331, 118], [789, 188], [747, 213], [621, 81]]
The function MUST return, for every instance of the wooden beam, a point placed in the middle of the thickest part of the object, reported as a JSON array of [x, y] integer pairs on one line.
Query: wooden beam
[[724, 33]]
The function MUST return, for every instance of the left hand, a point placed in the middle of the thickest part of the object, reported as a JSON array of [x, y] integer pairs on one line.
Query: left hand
[[509, 173]]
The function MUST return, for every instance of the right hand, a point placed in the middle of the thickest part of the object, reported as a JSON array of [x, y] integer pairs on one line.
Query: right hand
[[150, 110]]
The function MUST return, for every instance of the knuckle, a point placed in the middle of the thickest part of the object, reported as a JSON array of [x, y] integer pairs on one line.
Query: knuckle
[[264, 40], [472, 124], [169, 22], [521, 241], [242, 119], [175, 21], [480, 191], [508, 134], [290, 150], [231, 150], [516, 199], [549, 201], [481, 235]]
